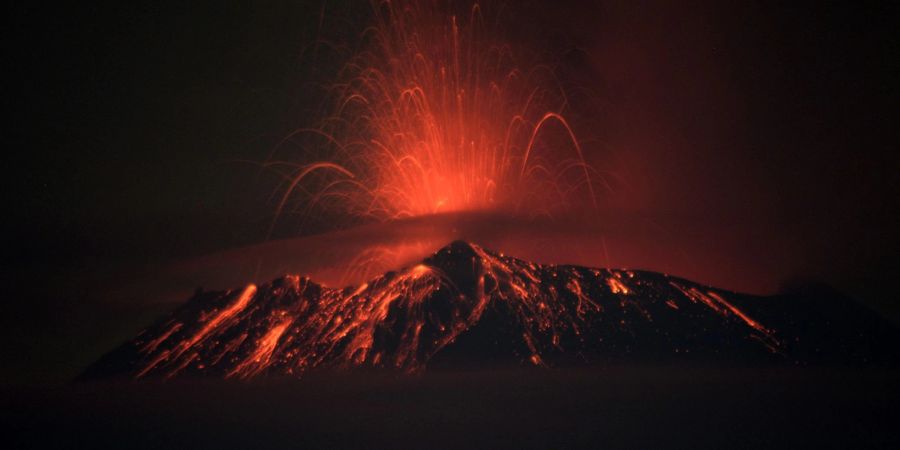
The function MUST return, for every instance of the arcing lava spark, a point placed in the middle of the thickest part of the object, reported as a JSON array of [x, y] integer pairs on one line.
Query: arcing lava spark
[[434, 115]]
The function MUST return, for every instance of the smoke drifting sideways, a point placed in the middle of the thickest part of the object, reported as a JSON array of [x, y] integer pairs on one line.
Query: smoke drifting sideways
[[355, 255]]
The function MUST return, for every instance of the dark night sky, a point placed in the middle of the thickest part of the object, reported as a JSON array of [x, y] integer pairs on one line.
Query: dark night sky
[[779, 120]]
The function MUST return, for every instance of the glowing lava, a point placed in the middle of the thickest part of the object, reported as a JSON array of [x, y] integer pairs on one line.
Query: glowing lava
[[434, 115], [460, 303]]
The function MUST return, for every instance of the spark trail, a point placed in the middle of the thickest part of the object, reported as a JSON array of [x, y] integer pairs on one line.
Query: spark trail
[[434, 115]]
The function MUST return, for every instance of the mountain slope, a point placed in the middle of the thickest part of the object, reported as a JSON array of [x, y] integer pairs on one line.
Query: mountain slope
[[468, 306]]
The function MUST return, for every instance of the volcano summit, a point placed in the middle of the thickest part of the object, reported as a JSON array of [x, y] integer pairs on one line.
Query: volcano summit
[[467, 306]]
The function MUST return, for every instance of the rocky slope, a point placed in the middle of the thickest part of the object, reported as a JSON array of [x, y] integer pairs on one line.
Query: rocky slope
[[467, 306]]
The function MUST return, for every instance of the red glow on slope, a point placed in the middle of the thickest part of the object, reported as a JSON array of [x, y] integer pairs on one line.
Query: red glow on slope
[[402, 319], [261, 356], [722, 306], [218, 319], [239, 304]]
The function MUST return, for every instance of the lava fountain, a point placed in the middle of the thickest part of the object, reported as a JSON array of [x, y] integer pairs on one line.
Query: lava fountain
[[435, 115]]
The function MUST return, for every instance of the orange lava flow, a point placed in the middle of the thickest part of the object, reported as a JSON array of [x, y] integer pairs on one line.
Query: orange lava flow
[[260, 357], [722, 306], [435, 115], [218, 319], [403, 319]]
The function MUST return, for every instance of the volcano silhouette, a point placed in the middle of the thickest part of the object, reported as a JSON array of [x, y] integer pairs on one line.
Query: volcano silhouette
[[466, 306]]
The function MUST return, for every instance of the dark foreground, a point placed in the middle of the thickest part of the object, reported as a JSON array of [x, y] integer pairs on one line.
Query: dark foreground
[[659, 407]]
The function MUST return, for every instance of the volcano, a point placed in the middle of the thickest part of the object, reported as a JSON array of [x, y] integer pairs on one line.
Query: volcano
[[466, 306]]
